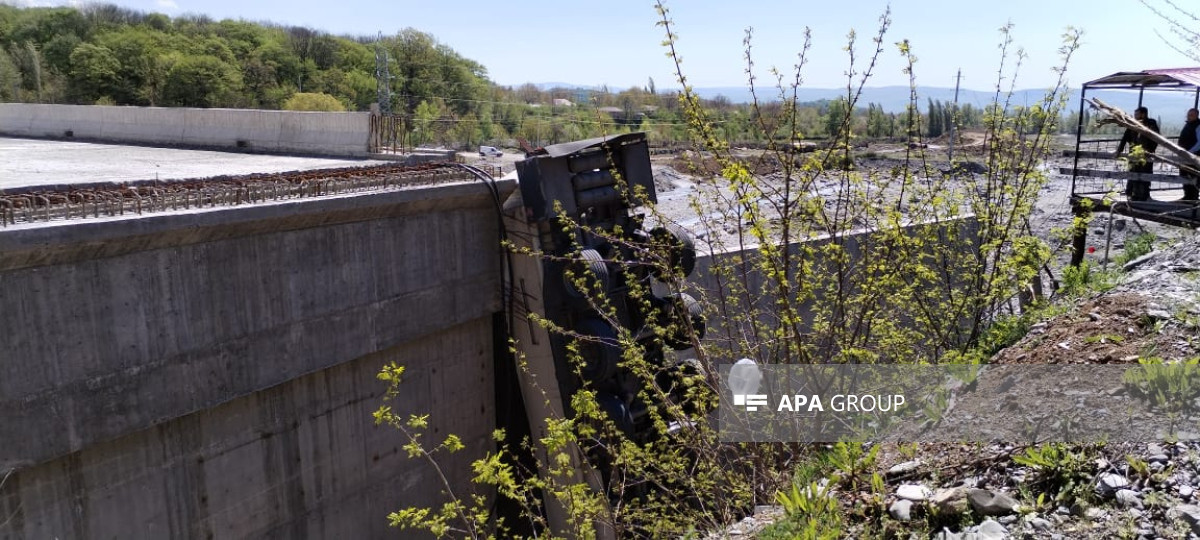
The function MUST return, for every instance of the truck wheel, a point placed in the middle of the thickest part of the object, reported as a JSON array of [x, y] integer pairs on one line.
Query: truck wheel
[[679, 311], [600, 355], [589, 271], [678, 246]]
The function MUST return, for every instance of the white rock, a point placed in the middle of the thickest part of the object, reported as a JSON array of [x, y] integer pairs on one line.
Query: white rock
[[1186, 491], [907, 466], [1111, 482], [913, 492], [991, 503], [1190, 514], [990, 530], [901, 510], [1129, 498]]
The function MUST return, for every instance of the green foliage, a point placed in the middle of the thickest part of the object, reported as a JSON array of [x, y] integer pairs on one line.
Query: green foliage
[[812, 513], [201, 81], [1135, 247], [1083, 279], [304, 101], [94, 71], [1007, 330], [151, 59], [10, 77], [1173, 387], [1063, 472]]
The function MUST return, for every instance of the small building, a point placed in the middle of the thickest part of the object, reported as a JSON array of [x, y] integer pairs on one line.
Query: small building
[[560, 102]]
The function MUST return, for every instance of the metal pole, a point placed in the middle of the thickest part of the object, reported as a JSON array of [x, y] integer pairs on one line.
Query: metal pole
[[1078, 137], [954, 119], [1108, 237]]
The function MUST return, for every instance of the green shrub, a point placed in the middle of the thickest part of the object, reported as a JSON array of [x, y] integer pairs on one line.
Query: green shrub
[[1172, 387], [304, 101], [1060, 471], [1136, 247]]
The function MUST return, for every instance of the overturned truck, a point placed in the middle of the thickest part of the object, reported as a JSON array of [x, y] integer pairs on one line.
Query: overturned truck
[[578, 212]]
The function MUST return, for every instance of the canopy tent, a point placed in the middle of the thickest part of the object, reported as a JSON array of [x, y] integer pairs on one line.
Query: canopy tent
[[1096, 173], [1187, 79]]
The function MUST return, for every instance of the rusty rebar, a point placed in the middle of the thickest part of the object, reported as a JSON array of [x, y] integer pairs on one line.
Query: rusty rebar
[[85, 201]]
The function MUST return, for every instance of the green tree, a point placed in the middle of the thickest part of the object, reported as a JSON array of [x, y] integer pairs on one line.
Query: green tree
[[10, 78], [58, 51], [836, 117], [145, 55], [466, 130], [427, 122], [29, 60], [305, 101], [94, 72], [934, 119], [202, 81]]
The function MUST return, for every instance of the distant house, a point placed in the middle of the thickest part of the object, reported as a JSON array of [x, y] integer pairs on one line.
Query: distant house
[[560, 102]]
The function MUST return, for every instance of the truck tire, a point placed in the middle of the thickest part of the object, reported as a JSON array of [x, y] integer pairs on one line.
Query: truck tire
[[679, 248], [600, 355], [591, 269]]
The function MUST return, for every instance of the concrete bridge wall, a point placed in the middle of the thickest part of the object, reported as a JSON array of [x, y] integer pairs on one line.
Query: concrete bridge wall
[[211, 374], [324, 133]]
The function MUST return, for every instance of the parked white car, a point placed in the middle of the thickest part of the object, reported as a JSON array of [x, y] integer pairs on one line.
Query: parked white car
[[485, 151]]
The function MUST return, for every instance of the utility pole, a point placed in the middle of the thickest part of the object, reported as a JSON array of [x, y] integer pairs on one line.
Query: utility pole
[[954, 118]]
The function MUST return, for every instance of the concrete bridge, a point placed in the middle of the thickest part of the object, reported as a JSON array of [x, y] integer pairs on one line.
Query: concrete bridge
[[199, 359]]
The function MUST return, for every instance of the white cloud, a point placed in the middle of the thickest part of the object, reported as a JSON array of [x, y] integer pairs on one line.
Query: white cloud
[[42, 3], [168, 4]]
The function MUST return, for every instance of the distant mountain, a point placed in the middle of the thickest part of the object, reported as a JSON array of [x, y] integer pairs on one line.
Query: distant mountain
[[1165, 106]]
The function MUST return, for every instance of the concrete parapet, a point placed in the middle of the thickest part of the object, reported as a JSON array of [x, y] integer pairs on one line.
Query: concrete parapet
[[323, 133]]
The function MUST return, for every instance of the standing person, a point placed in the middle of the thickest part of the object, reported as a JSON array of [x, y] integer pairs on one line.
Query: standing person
[[1189, 139], [1139, 190]]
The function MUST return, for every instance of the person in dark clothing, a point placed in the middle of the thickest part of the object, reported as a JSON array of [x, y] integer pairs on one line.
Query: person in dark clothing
[[1139, 190], [1189, 139]]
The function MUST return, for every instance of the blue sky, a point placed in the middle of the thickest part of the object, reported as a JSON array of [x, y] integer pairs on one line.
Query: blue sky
[[617, 43]]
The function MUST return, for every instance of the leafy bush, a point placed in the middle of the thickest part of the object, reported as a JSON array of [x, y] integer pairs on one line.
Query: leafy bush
[[1173, 387], [1136, 247], [1084, 279], [305, 101], [1059, 470]]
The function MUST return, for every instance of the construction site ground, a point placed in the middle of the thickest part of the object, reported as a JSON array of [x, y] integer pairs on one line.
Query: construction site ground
[[1149, 309]]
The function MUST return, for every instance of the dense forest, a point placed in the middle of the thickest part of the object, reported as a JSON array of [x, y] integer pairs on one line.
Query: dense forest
[[104, 54]]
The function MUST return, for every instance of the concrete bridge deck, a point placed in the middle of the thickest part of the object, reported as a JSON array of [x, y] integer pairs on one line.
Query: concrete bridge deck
[[36, 162]]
